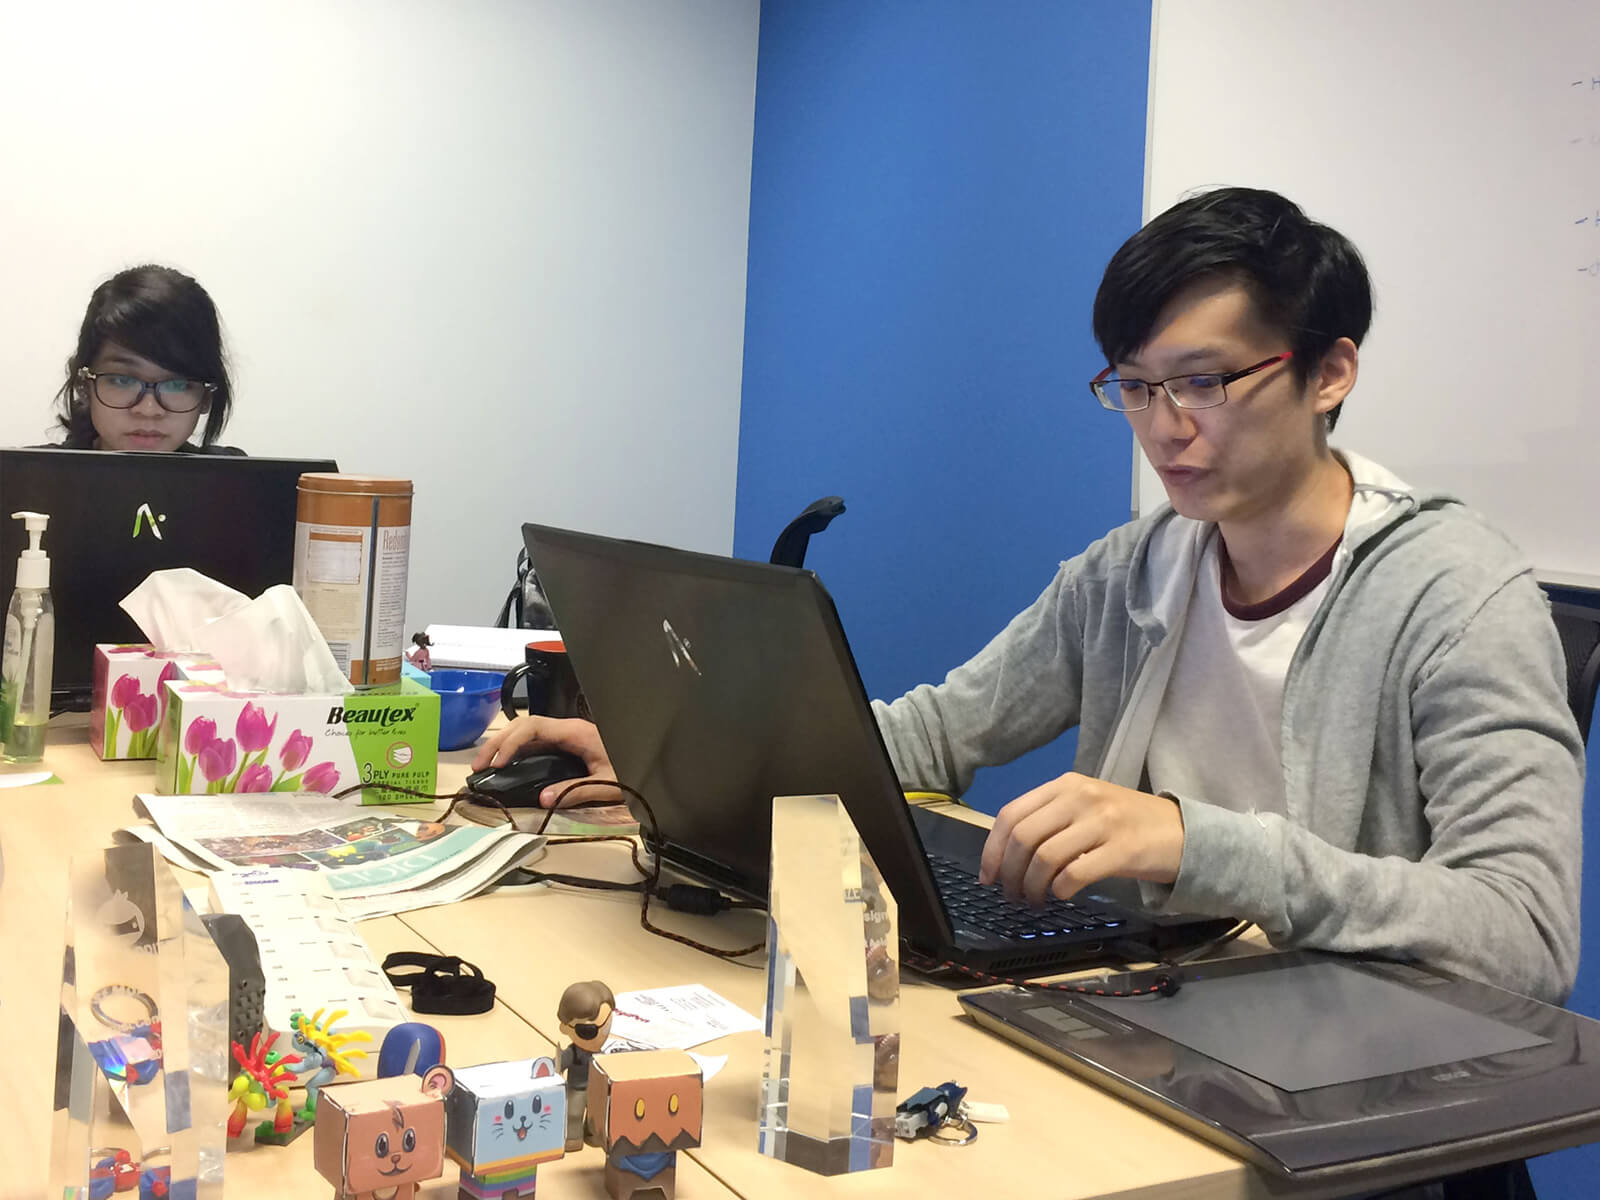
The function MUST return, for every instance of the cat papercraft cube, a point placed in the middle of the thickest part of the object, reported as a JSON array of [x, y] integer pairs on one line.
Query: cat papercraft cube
[[504, 1119], [382, 1135], [646, 1106]]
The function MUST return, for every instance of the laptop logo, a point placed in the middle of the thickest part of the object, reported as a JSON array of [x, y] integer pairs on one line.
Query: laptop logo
[[679, 646], [142, 515]]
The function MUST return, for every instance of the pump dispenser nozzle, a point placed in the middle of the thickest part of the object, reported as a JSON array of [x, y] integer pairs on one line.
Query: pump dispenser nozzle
[[33, 564]]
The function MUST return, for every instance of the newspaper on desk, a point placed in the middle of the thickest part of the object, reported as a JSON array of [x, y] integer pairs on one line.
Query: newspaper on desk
[[377, 862]]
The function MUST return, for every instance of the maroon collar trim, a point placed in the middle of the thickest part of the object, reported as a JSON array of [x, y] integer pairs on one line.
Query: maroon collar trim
[[1273, 605]]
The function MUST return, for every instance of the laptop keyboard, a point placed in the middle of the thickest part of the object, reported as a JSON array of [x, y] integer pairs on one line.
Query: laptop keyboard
[[984, 908]]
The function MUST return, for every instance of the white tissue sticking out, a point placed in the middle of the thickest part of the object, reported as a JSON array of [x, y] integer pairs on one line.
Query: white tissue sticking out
[[174, 607], [269, 644], [273, 645]]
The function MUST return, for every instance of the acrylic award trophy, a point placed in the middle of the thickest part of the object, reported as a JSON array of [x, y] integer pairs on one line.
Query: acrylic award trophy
[[833, 988], [142, 1050]]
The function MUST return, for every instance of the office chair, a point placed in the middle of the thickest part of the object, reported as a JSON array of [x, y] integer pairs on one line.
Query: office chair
[[1579, 627], [790, 548]]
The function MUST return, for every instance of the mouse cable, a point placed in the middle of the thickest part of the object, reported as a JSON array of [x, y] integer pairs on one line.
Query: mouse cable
[[651, 871], [682, 897]]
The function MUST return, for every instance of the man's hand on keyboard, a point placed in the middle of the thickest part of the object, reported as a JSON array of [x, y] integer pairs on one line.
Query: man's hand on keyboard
[[1076, 830]]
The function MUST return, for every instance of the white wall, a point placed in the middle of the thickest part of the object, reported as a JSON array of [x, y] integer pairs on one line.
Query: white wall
[[496, 246], [1457, 143]]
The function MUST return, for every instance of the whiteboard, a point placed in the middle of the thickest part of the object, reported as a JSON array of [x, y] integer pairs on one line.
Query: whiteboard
[[1457, 143]]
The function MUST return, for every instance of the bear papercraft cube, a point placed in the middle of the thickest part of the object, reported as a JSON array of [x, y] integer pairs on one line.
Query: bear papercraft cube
[[382, 1135]]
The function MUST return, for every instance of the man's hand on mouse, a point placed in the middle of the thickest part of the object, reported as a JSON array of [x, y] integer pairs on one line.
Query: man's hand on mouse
[[531, 735], [1076, 830]]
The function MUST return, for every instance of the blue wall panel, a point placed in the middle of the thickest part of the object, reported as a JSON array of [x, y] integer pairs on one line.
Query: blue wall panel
[[936, 187]]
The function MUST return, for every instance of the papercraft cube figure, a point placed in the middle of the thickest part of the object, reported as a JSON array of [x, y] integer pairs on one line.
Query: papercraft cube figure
[[646, 1106], [829, 1080], [503, 1120], [382, 1136], [142, 1062]]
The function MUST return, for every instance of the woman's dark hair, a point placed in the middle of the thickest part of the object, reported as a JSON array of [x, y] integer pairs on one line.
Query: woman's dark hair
[[1307, 280], [159, 314]]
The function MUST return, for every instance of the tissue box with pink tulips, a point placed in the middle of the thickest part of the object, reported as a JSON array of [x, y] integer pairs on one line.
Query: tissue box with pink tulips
[[217, 740], [130, 701]]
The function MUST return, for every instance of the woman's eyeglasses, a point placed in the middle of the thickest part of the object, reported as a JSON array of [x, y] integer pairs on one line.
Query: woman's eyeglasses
[[116, 390]]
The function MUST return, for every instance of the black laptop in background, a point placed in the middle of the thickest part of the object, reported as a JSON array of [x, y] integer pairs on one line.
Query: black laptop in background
[[719, 683], [115, 517]]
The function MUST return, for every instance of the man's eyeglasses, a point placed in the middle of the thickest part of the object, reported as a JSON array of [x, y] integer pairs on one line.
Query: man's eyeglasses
[[116, 390], [1186, 391]]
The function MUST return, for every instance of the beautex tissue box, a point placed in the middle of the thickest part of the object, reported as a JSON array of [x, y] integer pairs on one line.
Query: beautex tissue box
[[129, 701], [217, 740]]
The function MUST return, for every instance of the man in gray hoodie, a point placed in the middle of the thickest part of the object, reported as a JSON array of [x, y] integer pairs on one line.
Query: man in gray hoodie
[[1305, 694]]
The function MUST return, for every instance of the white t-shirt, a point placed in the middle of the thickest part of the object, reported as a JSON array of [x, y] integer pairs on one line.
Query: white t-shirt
[[1218, 735]]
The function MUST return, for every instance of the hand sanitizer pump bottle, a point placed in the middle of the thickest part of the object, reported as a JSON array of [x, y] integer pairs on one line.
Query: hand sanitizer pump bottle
[[29, 650]]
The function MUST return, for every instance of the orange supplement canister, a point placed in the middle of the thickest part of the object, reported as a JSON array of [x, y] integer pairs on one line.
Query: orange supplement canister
[[352, 546]]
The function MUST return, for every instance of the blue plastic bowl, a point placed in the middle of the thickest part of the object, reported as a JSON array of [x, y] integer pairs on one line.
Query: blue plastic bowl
[[468, 701]]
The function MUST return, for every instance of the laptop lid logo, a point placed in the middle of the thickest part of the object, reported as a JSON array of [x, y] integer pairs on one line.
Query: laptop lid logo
[[679, 646], [144, 516]]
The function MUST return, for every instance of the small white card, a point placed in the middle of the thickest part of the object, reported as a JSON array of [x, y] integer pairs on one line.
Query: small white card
[[675, 1018]]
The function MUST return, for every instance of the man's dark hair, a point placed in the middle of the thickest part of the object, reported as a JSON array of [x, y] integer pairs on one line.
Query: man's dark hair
[[1307, 280], [160, 314]]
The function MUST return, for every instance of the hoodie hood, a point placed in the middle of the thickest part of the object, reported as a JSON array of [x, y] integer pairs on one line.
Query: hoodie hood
[[1167, 557]]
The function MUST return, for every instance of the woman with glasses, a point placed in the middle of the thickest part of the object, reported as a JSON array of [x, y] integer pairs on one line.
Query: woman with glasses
[[148, 368]]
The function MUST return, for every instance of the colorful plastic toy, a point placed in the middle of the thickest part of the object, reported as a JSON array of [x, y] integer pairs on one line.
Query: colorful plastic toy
[[324, 1054], [265, 1076]]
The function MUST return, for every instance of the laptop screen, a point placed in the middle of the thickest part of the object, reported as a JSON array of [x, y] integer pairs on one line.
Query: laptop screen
[[114, 518], [717, 685]]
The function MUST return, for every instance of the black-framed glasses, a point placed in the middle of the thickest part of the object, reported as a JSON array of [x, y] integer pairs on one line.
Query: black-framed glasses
[[116, 389], [1192, 390]]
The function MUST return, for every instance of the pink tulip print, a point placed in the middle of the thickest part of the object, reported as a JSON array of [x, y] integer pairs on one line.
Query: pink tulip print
[[124, 689], [201, 734], [168, 672], [255, 779], [323, 777], [295, 751], [217, 761], [141, 714], [253, 729]]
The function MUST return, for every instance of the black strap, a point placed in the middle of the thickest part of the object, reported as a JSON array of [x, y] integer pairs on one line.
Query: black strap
[[442, 983]]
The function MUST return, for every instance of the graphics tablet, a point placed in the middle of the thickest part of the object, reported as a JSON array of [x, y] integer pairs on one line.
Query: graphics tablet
[[1319, 1067]]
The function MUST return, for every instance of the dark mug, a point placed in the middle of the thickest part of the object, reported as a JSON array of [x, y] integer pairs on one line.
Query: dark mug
[[552, 684]]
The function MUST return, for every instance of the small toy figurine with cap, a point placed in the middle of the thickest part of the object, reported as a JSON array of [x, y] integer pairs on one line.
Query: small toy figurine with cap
[[647, 1106], [382, 1137], [503, 1119], [584, 1015]]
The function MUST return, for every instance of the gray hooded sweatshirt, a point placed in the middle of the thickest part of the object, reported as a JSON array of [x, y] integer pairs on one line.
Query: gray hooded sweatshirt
[[1432, 768]]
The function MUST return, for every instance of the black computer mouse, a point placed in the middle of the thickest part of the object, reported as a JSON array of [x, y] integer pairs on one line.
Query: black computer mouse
[[519, 782]]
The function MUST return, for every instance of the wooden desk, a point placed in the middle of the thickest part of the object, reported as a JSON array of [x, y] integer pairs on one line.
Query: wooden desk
[[1065, 1139], [40, 828]]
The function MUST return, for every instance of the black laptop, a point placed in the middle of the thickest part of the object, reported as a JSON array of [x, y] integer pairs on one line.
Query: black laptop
[[719, 684], [116, 517]]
